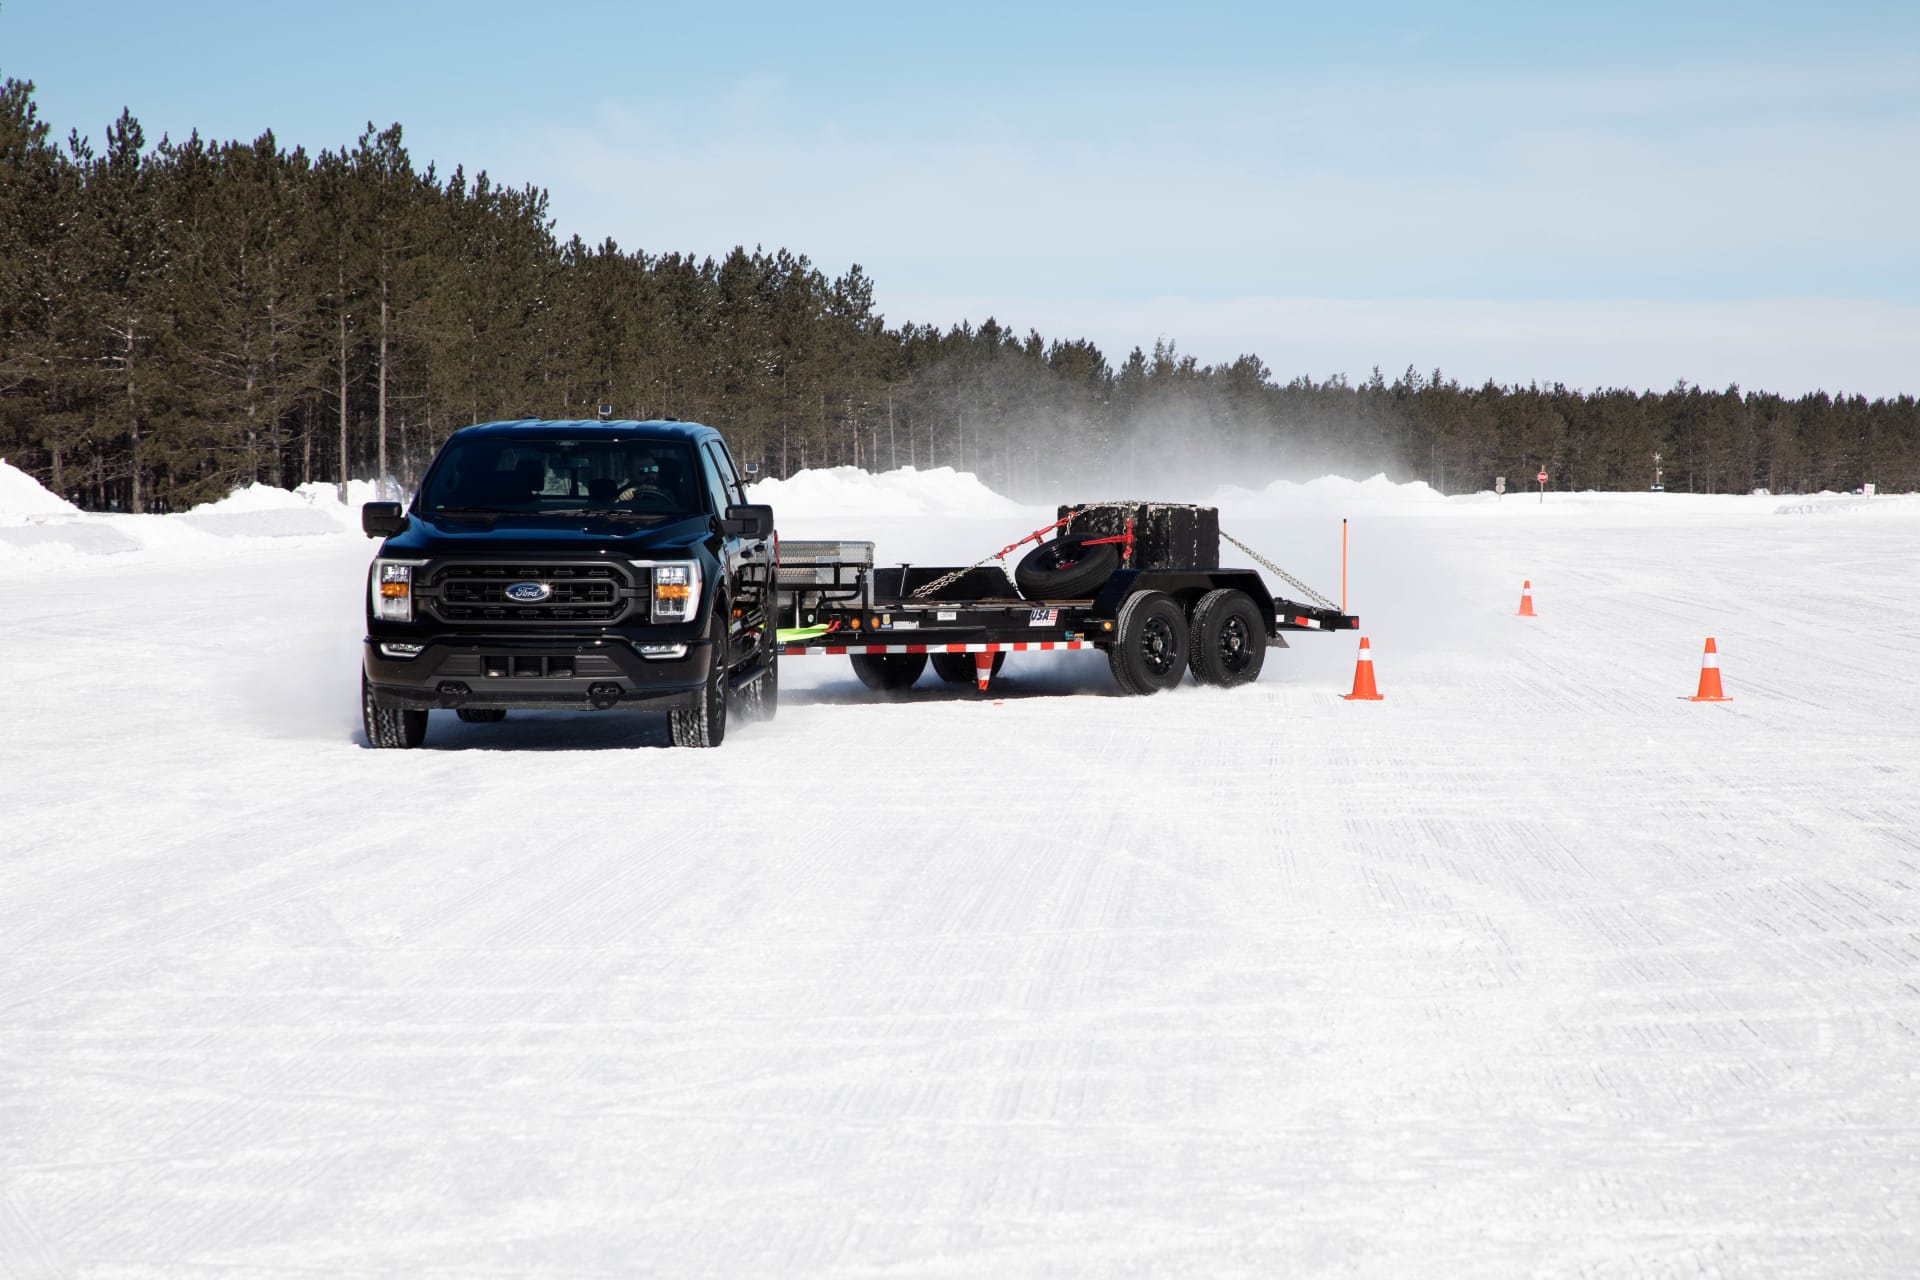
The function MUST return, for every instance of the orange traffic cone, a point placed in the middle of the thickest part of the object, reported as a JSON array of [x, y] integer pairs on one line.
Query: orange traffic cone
[[982, 669], [1710, 690], [1363, 686], [1526, 600]]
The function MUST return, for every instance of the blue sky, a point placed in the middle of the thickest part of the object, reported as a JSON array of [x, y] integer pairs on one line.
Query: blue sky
[[1610, 195]]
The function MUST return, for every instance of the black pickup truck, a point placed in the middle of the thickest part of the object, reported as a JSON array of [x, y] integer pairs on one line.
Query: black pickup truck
[[569, 564]]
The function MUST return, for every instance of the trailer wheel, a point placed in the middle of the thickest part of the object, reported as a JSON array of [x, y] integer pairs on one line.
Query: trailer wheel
[[1065, 569], [1149, 651], [888, 672], [397, 728], [1229, 640], [481, 715], [959, 668]]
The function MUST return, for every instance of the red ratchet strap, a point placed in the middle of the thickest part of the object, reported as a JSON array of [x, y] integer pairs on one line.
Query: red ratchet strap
[[1126, 555]]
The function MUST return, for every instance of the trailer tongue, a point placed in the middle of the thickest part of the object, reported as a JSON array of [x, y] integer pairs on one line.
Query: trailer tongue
[[1141, 582]]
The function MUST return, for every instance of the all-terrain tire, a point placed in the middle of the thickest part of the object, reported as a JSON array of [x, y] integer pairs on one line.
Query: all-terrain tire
[[760, 701], [705, 723], [959, 668], [482, 715], [1149, 650], [1228, 641], [888, 673], [1065, 569], [390, 728]]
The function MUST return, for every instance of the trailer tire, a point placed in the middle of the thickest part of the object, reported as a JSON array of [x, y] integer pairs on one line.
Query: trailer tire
[[481, 715], [390, 728], [1149, 650], [1228, 644], [960, 668], [1065, 569], [889, 673]]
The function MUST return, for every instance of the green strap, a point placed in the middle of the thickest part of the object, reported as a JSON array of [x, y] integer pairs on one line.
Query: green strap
[[791, 635]]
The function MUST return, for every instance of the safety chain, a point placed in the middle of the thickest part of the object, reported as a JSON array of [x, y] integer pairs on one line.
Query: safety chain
[[948, 579], [938, 583], [1292, 581]]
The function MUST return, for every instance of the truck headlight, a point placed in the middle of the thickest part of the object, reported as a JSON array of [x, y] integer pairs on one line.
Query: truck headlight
[[676, 590], [391, 588]]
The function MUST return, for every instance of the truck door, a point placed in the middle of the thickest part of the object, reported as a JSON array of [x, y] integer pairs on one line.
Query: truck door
[[748, 561]]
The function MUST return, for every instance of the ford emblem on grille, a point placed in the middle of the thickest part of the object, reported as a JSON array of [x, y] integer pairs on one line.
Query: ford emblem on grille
[[528, 592]]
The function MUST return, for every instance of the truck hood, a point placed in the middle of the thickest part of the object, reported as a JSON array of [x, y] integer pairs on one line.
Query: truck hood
[[495, 537]]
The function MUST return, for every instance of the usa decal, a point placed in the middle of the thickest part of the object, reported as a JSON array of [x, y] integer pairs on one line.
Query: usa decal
[[1043, 617]]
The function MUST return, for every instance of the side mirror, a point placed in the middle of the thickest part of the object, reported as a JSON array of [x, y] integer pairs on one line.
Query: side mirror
[[382, 519], [753, 469], [748, 521]]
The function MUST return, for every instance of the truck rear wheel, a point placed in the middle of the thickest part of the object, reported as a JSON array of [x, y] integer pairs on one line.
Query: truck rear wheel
[[960, 668], [888, 672], [390, 728], [760, 701], [1149, 650], [1229, 639], [1065, 569], [705, 723]]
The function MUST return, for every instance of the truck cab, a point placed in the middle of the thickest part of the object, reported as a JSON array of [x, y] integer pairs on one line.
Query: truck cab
[[586, 565]]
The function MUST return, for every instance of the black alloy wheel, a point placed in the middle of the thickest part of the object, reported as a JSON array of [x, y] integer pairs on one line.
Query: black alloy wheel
[[1229, 640], [1149, 650]]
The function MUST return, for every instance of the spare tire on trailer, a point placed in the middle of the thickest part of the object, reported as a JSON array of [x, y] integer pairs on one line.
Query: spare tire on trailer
[[960, 668], [1066, 568]]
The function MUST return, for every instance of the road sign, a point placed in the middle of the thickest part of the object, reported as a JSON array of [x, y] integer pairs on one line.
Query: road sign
[[1542, 477]]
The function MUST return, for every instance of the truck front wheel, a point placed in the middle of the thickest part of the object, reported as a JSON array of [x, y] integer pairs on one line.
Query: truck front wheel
[[705, 724], [390, 727]]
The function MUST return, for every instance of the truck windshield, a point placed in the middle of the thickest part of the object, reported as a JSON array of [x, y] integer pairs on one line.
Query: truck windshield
[[654, 479]]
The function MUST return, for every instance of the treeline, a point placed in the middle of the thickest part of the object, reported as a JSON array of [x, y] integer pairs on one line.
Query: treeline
[[183, 318]]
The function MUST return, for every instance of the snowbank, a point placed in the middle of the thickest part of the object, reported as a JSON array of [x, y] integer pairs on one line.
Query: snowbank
[[40, 532], [842, 491], [22, 497]]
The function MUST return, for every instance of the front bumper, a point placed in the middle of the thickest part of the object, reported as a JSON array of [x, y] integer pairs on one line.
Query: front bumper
[[522, 673]]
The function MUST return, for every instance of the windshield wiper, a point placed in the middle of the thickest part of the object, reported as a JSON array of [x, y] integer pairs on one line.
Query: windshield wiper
[[470, 511], [600, 511]]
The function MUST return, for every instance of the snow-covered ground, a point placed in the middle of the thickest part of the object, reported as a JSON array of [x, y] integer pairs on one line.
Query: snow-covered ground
[[1533, 967]]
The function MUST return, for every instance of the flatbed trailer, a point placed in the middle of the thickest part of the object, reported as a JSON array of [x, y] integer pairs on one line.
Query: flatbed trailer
[[1155, 624]]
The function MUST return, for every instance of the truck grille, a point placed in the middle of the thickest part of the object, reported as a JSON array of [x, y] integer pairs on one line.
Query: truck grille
[[576, 593]]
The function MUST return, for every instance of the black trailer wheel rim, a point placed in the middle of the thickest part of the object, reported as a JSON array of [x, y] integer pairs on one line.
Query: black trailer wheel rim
[[1235, 644], [1156, 646]]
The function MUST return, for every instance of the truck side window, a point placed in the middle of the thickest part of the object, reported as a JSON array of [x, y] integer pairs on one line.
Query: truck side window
[[728, 492], [728, 472], [710, 471]]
